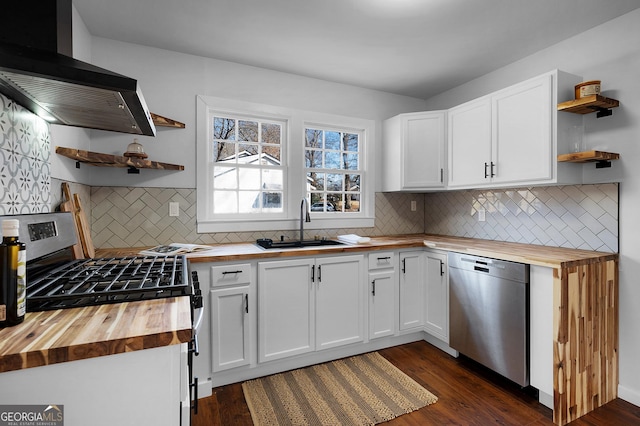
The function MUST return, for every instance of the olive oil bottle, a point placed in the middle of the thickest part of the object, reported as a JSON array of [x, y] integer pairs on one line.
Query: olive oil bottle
[[13, 257]]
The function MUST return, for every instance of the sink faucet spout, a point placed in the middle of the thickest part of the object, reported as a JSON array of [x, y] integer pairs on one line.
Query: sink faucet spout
[[304, 217]]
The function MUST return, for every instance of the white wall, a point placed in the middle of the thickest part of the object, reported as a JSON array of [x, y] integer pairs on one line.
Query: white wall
[[170, 82], [609, 53]]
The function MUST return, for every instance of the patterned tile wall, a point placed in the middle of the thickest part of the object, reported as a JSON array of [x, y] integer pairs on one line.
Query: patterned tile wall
[[139, 217], [25, 171], [577, 216]]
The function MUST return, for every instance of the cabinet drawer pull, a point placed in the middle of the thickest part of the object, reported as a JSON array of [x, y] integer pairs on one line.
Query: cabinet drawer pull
[[384, 258], [231, 272]]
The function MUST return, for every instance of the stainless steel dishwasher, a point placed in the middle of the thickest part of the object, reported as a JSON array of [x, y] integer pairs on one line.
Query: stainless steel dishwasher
[[489, 313]]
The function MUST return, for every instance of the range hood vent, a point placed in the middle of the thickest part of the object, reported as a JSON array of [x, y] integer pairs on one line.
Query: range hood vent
[[63, 90]]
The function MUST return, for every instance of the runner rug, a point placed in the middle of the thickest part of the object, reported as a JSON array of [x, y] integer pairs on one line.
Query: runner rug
[[361, 390]]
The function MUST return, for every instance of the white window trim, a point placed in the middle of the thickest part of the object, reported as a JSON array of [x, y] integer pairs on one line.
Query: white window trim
[[295, 188]]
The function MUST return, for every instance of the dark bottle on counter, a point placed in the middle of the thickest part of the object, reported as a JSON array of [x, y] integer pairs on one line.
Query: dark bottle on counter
[[13, 257]]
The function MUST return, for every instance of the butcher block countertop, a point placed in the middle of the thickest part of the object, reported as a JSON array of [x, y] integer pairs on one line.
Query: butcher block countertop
[[553, 257], [51, 337]]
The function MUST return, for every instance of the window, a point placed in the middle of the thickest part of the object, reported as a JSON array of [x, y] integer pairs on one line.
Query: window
[[248, 172], [332, 165], [255, 162]]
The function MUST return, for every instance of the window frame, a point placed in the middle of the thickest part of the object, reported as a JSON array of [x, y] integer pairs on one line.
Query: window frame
[[294, 184]]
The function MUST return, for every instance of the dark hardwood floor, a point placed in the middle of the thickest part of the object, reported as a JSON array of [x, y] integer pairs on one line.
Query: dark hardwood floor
[[468, 394]]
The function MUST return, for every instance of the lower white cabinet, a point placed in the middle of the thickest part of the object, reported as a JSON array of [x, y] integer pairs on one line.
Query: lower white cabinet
[[309, 304], [383, 294], [436, 305], [232, 316], [412, 289]]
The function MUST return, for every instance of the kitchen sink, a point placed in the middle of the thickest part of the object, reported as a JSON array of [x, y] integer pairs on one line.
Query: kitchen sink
[[270, 244]]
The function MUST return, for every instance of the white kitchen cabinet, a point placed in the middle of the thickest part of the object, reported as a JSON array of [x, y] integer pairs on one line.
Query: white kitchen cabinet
[[412, 289], [232, 316], [414, 149], [309, 304], [383, 294], [513, 136], [436, 306]]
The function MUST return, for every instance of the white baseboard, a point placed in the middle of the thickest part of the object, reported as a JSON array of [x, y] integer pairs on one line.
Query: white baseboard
[[629, 395]]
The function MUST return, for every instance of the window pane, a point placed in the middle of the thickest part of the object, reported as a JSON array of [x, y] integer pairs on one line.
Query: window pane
[[272, 179], [225, 177], [271, 133], [313, 159], [350, 161], [313, 138], [225, 202], [249, 199], [350, 142], [224, 128], [272, 201], [335, 200], [334, 182], [332, 160], [249, 179], [223, 150], [248, 131], [315, 181], [271, 155], [352, 183], [247, 153], [352, 203], [332, 140]]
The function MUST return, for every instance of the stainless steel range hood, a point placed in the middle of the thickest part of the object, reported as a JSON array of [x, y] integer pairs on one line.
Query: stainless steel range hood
[[35, 73]]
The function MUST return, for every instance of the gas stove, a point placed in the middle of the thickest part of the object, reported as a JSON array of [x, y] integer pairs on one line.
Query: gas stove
[[55, 280]]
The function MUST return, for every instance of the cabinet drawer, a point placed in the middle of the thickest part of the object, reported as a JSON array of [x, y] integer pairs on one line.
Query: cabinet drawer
[[222, 276], [382, 260]]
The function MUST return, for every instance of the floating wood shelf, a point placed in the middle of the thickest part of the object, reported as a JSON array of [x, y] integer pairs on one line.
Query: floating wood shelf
[[108, 160], [589, 104], [601, 158], [161, 121]]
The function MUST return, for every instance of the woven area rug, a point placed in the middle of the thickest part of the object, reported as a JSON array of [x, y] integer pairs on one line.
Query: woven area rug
[[361, 390]]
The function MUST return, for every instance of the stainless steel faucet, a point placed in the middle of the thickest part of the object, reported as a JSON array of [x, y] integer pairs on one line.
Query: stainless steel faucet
[[304, 213]]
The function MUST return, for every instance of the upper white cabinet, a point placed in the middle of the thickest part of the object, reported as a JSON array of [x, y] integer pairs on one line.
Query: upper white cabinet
[[414, 147], [513, 136]]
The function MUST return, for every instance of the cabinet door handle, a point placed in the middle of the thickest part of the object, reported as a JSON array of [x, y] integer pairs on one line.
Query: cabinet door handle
[[492, 171], [486, 175], [246, 303], [319, 273], [404, 266], [373, 287], [313, 273], [441, 268], [231, 272], [441, 175]]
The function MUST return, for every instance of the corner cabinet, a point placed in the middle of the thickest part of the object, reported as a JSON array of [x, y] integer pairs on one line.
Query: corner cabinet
[[513, 136], [309, 304], [414, 147]]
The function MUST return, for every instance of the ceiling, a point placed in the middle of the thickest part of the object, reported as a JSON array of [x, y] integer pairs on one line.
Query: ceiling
[[417, 48]]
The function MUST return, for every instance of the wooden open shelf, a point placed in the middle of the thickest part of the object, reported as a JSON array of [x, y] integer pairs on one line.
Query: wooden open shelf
[[601, 158], [108, 160], [589, 104], [161, 121]]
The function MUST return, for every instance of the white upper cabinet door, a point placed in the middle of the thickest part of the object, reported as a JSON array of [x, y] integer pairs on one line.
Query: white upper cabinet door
[[414, 150], [469, 139], [522, 132]]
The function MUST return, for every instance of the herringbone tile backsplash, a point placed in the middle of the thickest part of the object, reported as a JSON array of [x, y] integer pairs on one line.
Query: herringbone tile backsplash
[[580, 216], [139, 217], [576, 216]]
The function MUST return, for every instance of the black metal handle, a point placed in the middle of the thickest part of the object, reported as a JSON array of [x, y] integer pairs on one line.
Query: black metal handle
[[404, 266], [384, 258], [319, 273], [194, 404], [231, 272], [492, 172], [373, 287], [441, 268], [246, 303], [486, 175], [313, 273]]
